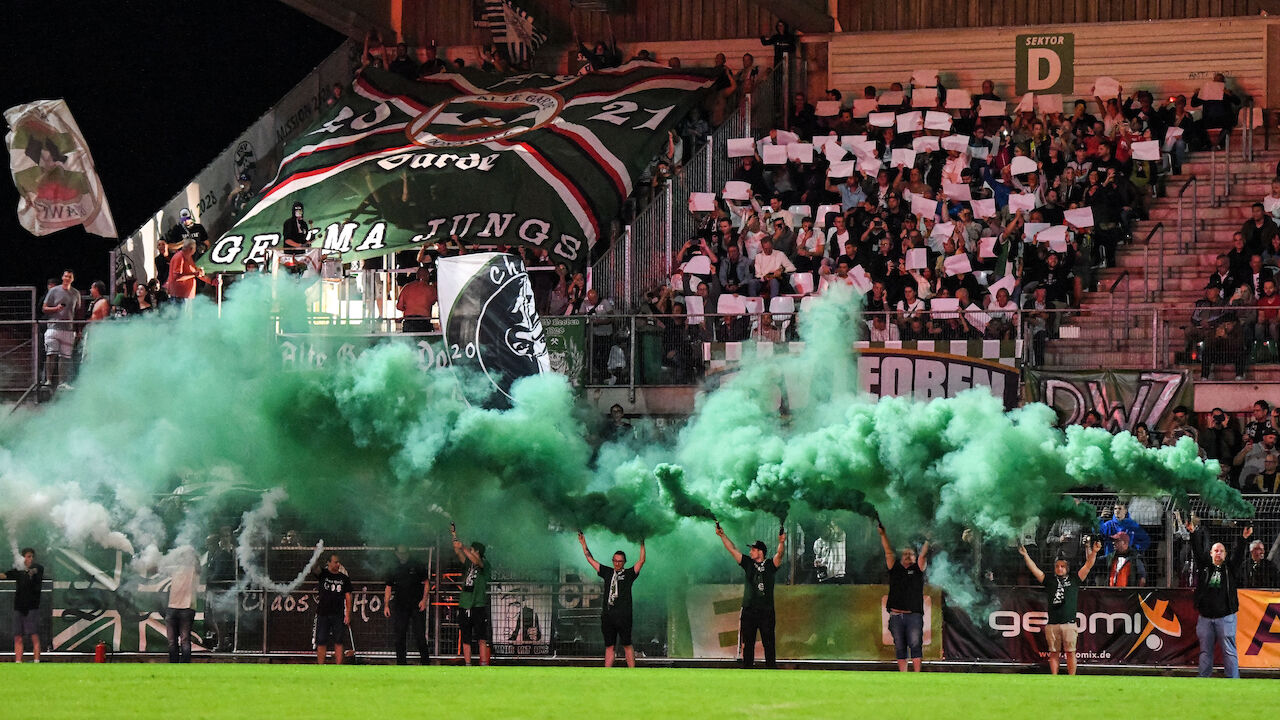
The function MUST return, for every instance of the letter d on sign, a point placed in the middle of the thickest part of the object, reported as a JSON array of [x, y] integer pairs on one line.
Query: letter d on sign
[[1044, 69], [1045, 63]]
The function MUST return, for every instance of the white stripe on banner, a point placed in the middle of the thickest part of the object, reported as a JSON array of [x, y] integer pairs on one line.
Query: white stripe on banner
[[333, 143], [570, 199], [611, 161], [666, 83], [282, 191]]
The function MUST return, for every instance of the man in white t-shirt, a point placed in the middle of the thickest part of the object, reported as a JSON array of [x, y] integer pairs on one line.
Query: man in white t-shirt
[[181, 565]]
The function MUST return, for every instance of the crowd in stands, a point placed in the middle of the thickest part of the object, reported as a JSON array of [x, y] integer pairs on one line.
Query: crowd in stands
[[931, 200], [1237, 322]]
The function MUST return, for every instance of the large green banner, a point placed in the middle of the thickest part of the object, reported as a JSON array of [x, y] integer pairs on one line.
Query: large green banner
[[534, 160], [816, 622], [1127, 397]]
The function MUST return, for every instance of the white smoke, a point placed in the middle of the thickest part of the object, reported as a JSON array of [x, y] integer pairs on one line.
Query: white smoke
[[256, 526]]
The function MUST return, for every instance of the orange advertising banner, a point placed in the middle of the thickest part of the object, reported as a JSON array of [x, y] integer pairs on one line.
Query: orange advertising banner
[[1258, 628]]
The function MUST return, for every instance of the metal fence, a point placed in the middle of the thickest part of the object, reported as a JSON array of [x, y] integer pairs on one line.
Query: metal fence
[[19, 339]]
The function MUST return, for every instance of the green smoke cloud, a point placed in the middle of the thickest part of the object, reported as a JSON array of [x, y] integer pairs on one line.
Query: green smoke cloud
[[193, 415]]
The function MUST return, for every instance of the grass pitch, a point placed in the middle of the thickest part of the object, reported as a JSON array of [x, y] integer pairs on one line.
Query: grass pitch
[[249, 692]]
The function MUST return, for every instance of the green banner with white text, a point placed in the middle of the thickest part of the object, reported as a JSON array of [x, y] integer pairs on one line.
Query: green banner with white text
[[534, 160]]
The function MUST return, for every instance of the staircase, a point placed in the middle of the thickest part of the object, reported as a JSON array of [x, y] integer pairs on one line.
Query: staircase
[[1147, 332]]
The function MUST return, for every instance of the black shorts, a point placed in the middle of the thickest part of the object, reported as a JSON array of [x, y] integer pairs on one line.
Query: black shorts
[[330, 630], [617, 630], [474, 624]]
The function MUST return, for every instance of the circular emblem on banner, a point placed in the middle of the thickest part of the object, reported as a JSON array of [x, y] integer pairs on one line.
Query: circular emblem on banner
[[494, 324], [472, 119]]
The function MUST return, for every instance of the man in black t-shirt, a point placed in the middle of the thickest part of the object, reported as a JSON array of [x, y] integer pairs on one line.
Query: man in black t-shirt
[[615, 618], [333, 609], [1217, 579], [1062, 590], [906, 600], [404, 600], [757, 597], [26, 603]]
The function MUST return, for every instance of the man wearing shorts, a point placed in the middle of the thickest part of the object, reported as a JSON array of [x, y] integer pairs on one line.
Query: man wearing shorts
[[26, 603], [905, 602], [333, 610], [1062, 590], [62, 307], [615, 619], [473, 601]]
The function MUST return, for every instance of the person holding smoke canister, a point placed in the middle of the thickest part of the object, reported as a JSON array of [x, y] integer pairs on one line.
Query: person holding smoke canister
[[615, 619], [906, 599], [473, 601], [1215, 597], [26, 603], [333, 609], [1062, 590], [757, 597]]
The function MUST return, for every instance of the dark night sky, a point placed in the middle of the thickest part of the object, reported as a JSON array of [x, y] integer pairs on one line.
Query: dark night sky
[[158, 88]]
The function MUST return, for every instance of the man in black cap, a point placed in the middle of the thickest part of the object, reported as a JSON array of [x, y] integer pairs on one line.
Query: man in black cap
[[188, 229], [757, 597]]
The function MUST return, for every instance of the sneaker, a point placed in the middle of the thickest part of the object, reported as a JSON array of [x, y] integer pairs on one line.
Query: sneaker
[[65, 386]]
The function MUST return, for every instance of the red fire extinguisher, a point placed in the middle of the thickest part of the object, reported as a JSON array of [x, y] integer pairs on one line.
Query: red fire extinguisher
[[100, 653]]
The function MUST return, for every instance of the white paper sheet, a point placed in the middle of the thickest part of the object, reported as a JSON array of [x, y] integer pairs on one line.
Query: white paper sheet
[[741, 147], [925, 143], [1146, 150], [881, 119], [983, 208], [891, 98], [702, 202], [958, 99], [736, 190], [1079, 217], [904, 157], [1022, 201], [917, 258], [1022, 165], [800, 152], [864, 106], [1106, 87], [935, 120], [842, 169], [959, 192], [826, 108], [957, 264], [992, 108]]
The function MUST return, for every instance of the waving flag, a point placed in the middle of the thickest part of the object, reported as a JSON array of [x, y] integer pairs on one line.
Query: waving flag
[[529, 160], [513, 27], [54, 172]]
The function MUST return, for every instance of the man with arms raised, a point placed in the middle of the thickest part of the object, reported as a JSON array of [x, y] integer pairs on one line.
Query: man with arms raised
[[1216, 601], [333, 609], [615, 619], [906, 600], [1062, 590], [757, 597]]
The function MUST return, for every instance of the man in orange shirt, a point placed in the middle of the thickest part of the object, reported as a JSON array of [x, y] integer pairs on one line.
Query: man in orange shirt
[[183, 273], [415, 303]]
